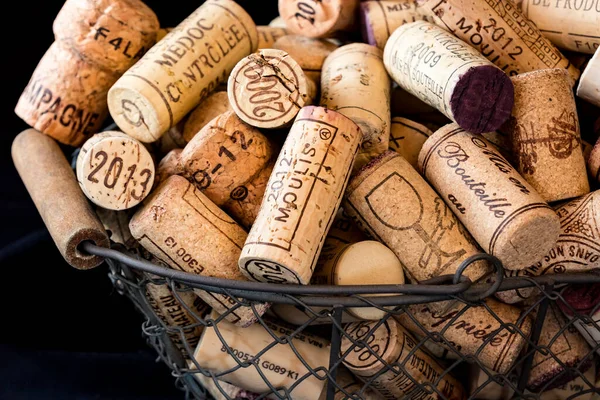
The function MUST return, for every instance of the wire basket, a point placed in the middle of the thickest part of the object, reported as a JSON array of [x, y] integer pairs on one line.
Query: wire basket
[[446, 338]]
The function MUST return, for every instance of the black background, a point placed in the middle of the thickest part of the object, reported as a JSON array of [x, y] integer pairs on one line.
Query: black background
[[65, 333]]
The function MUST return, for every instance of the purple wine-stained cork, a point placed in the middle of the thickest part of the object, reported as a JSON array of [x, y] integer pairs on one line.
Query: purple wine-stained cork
[[567, 374], [583, 299], [365, 25], [482, 99]]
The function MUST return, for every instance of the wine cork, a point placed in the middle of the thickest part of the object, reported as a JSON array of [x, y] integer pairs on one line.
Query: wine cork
[[379, 19], [110, 34], [399, 208], [502, 211], [450, 75], [183, 327], [268, 35], [182, 69], [483, 386], [245, 200], [574, 388], [169, 165], [364, 263], [216, 388], [577, 248], [180, 226], [579, 301], [279, 364], [393, 346], [303, 194], [407, 138], [354, 82], [319, 19], [116, 224], [310, 53], [226, 154], [567, 350], [588, 88], [473, 330], [544, 132], [268, 88], [210, 108], [170, 140], [277, 22], [404, 104], [500, 32], [115, 171], [300, 315], [570, 27], [66, 96], [52, 186], [350, 387]]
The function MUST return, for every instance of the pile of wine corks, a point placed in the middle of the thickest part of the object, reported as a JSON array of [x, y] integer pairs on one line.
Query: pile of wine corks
[[342, 143]]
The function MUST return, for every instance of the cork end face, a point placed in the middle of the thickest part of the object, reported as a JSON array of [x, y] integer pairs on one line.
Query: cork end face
[[260, 269], [135, 114], [76, 258], [483, 99]]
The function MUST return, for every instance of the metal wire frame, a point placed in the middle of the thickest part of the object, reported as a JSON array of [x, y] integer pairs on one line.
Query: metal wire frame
[[131, 275]]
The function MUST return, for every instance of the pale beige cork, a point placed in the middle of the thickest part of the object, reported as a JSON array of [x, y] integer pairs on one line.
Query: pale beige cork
[[399, 208], [210, 108], [544, 131], [319, 18], [379, 19], [246, 343], [116, 224], [66, 96], [367, 262], [566, 349], [390, 344], [502, 33], [569, 26], [450, 75], [181, 227], [577, 248], [169, 165], [183, 327], [182, 69], [277, 22], [245, 200], [267, 89], [407, 138], [589, 85], [473, 330], [349, 387], [52, 186], [354, 83], [574, 388], [115, 171], [268, 35], [226, 154], [310, 53], [302, 197], [112, 34], [501, 210]]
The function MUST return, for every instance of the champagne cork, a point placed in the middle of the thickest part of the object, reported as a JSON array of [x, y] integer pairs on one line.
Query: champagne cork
[[268, 35], [110, 34], [568, 26], [115, 171], [564, 344], [302, 197], [574, 388], [379, 19], [182, 326], [245, 201], [52, 185], [544, 131], [500, 32], [588, 88], [399, 208], [577, 248], [210, 108], [319, 19], [502, 211], [226, 154], [169, 165], [268, 88], [350, 387], [482, 385], [180, 226], [450, 75], [364, 263], [407, 138], [279, 364], [583, 300], [216, 389], [473, 330], [354, 82], [392, 346], [309, 53], [116, 224], [66, 96], [182, 69], [300, 315]]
